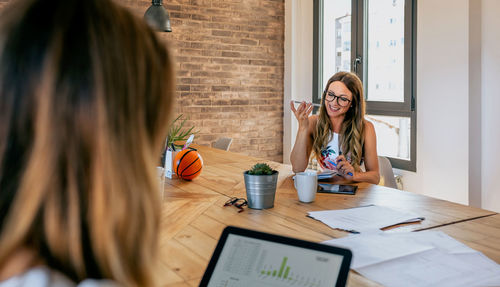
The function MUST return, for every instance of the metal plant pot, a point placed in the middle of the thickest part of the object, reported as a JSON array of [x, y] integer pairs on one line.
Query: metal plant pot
[[261, 190]]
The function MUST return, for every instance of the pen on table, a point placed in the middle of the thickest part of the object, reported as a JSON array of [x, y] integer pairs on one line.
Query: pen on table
[[416, 219], [313, 104]]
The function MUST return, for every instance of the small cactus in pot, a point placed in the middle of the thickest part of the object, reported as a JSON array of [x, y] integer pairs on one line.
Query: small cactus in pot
[[261, 169], [260, 184]]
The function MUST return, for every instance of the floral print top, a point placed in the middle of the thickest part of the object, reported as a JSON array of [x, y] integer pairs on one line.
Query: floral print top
[[330, 153]]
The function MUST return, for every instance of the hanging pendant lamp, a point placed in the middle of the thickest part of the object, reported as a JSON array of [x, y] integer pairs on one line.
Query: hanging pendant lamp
[[157, 17]]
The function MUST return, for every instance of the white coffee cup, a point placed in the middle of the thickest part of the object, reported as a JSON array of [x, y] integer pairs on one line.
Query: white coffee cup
[[306, 184]]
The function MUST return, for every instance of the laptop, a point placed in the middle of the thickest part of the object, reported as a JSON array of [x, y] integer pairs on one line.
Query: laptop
[[245, 257]]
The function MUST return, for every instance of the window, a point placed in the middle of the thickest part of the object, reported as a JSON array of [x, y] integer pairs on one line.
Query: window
[[368, 37]]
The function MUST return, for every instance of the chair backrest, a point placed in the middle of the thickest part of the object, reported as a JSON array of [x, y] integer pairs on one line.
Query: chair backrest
[[223, 143], [386, 173]]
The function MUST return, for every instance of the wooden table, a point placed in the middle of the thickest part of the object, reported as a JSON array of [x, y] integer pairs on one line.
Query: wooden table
[[481, 234], [194, 217]]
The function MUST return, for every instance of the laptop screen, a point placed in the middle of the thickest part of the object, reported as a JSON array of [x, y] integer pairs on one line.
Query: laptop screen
[[276, 261]]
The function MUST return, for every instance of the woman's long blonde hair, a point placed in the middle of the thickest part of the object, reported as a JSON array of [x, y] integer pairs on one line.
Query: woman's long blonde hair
[[85, 96], [351, 133]]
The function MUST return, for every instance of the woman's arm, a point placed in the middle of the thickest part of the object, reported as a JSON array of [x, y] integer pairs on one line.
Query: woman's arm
[[299, 157], [372, 174]]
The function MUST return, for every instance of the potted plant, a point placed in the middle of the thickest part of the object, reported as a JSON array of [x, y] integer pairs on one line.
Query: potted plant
[[260, 184], [176, 133]]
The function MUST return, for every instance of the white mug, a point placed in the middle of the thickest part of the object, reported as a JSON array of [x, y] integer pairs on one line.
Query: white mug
[[306, 184]]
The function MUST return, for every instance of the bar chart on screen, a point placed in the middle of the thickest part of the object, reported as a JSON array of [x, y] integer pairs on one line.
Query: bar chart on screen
[[253, 262], [284, 275]]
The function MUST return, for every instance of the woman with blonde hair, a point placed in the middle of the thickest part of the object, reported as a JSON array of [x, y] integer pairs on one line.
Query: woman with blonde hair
[[340, 138], [85, 95]]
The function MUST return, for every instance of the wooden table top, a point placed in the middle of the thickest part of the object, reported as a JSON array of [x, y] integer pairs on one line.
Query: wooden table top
[[481, 234], [193, 214]]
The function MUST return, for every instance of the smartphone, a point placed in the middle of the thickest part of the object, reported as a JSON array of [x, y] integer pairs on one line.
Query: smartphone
[[337, 188]]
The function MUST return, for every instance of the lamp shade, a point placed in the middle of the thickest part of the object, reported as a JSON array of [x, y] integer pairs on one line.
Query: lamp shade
[[157, 17]]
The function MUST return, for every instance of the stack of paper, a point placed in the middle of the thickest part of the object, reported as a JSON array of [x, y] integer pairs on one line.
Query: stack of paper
[[326, 174], [363, 219], [428, 258], [323, 175]]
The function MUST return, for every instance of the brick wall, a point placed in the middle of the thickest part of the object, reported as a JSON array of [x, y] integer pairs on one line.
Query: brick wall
[[230, 65]]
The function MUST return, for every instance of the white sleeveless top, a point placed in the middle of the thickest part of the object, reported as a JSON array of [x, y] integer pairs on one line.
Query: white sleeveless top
[[331, 151]]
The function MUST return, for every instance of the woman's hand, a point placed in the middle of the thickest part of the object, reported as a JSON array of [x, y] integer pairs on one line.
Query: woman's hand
[[344, 168], [302, 114]]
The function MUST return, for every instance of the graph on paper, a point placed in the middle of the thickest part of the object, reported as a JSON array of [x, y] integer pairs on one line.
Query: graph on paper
[[253, 262]]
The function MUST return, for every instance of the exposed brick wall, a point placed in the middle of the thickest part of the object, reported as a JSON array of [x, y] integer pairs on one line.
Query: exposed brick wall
[[230, 65]]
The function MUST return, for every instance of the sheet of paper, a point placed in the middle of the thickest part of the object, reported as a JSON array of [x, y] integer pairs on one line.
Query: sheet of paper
[[489, 281], [437, 239], [370, 249], [322, 175], [376, 248], [434, 268], [427, 258], [363, 219], [326, 174]]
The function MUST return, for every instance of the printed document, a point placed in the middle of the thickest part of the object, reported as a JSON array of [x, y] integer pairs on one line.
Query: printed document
[[363, 219], [427, 258]]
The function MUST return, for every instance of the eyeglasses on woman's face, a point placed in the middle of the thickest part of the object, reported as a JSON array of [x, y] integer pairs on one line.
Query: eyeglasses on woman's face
[[341, 100]]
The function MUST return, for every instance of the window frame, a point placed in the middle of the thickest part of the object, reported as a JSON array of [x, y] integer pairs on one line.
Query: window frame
[[359, 48]]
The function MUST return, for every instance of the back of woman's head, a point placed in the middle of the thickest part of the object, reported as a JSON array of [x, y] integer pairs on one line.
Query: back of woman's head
[[85, 91]]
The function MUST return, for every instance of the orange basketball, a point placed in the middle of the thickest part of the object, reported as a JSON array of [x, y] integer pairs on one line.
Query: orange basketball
[[188, 164]]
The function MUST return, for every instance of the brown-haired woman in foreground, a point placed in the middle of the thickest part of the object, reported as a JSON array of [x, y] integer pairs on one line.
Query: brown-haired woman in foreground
[[85, 94], [340, 137]]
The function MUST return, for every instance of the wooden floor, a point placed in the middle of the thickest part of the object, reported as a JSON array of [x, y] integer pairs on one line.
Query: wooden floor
[[194, 216]]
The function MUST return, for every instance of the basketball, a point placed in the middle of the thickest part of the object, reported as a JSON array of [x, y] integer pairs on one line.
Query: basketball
[[188, 164]]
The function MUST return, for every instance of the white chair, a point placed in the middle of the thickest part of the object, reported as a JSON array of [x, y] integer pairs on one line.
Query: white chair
[[386, 173], [223, 143]]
